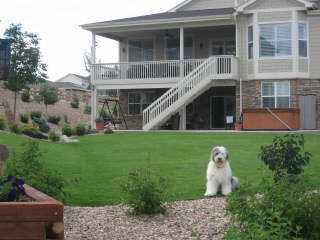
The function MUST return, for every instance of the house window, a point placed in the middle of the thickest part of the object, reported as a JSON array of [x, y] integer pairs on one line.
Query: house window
[[138, 101], [140, 50], [250, 42], [173, 48], [303, 42], [276, 95], [223, 47], [275, 40]]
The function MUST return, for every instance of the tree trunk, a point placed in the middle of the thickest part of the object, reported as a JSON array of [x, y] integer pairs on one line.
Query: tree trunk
[[15, 106]]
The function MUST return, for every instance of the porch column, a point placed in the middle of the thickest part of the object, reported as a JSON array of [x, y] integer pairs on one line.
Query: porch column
[[93, 88], [183, 110]]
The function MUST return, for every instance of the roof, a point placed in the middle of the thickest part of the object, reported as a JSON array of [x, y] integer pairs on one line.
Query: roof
[[64, 85], [76, 75], [167, 15]]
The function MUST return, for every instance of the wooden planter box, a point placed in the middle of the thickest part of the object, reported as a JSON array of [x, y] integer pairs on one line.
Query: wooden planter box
[[38, 220], [262, 119]]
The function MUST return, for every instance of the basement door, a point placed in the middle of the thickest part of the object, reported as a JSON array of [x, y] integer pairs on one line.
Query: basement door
[[308, 117], [221, 107]]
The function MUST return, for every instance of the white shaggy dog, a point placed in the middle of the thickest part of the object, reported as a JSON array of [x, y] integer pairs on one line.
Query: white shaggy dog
[[219, 174]]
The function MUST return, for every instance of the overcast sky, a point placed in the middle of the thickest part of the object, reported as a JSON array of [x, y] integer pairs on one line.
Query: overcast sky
[[57, 23]]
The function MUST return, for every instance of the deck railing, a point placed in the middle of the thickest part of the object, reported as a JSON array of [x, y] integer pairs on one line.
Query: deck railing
[[144, 70]]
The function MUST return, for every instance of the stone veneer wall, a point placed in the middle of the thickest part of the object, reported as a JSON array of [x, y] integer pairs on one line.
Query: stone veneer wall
[[252, 93], [134, 122]]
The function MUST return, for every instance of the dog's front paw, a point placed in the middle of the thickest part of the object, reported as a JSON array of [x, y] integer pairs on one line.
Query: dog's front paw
[[208, 194]]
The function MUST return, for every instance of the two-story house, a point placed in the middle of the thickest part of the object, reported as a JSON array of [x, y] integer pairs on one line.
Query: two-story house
[[198, 65]]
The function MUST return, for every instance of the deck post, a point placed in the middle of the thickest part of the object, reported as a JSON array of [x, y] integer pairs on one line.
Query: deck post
[[93, 88], [183, 111]]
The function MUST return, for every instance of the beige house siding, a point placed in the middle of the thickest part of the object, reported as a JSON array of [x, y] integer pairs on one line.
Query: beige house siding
[[275, 65], [274, 16], [269, 4], [302, 16], [123, 51], [250, 67], [207, 4], [303, 65], [314, 42]]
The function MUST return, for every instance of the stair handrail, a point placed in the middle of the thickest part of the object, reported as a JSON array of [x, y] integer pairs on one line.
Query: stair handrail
[[179, 88]]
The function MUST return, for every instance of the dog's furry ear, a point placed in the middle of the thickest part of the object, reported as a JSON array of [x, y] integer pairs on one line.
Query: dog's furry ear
[[213, 151]]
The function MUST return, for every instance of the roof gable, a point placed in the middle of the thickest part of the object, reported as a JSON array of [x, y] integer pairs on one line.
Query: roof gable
[[263, 4], [180, 5]]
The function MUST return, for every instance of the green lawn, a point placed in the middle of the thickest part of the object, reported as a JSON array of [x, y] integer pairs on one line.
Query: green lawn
[[94, 166]]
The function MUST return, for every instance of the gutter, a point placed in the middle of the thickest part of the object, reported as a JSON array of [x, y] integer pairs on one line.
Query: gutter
[[314, 13], [94, 26]]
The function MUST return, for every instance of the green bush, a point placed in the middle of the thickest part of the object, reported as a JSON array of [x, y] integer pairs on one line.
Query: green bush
[[2, 124], [14, 128], [41, 123], [28, 165], [145, 192], [87, 109], [75, 102], [54, 137], [25, 128], [274, 211], [35, 114], [66, 130], [24, 118], [25, 95], [108, 131], [285, 155], [54, 119], [103, 113], [80, 130]]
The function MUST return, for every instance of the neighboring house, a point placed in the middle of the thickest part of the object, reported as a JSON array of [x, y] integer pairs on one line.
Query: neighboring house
[[83, 82], [206, 60]]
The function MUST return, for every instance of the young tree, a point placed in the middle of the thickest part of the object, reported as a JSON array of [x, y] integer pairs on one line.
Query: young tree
[[48, 95], [25, 62]]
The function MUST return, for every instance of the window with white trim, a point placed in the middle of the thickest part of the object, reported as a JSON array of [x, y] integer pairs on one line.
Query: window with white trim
[[138, 101], [275, 40], [250, 42], [141, 50], [303, 40], [276, 94]]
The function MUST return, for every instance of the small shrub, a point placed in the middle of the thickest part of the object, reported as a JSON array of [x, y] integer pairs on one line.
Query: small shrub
[[87, 109], [274, 211], [80, 130], [11, 189], [54, 119], [285, 155], [41, 123], [14, 128], [75, 102], [24, 118], [103, 113], [2, 124], [28, 165], [66, 130], [35, 115], [25, 95], [28, 127], [54, 137], [108, 131], [145, 192], [32, 131]]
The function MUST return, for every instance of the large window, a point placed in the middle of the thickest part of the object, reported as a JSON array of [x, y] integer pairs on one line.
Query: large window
[[138, 101], [250, 42], [223, 47], [303, 42], [173, 48], [276, 95], [275, 40], [140, 50]]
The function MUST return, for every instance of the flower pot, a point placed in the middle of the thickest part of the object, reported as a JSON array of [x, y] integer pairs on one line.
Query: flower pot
[[238, 127], [40, 219], [100, 125]]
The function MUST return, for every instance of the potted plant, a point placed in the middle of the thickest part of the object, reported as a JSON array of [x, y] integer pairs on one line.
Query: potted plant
[[26, 213], [99, 123], [238, 126]]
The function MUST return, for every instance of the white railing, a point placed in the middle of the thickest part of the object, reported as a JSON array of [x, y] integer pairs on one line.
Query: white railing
[[215, 67], [144, 70]]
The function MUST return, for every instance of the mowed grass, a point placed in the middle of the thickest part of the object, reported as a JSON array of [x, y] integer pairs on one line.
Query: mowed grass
[[94, 167]]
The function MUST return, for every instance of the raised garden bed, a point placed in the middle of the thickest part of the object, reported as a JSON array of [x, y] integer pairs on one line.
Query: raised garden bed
[[38, 219], [262, 119]]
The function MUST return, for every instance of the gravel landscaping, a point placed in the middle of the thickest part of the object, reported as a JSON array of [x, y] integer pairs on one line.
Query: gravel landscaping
[[196, 219]]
